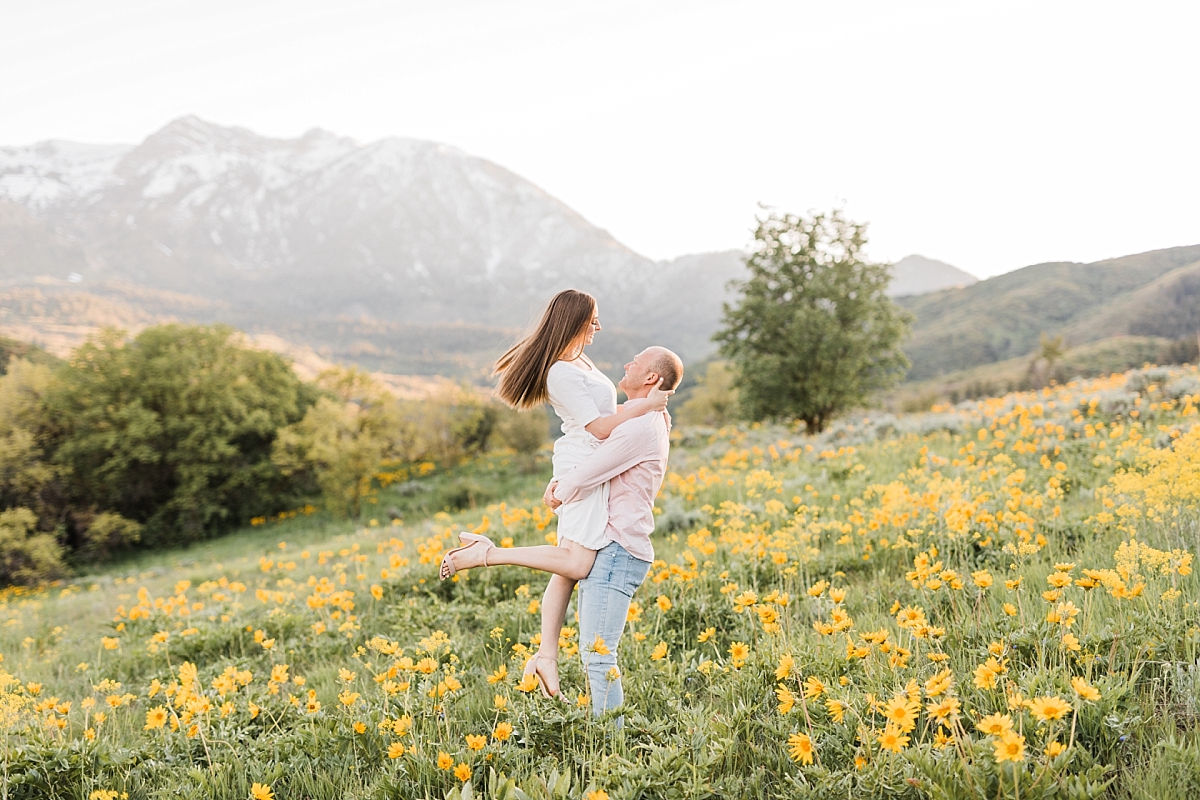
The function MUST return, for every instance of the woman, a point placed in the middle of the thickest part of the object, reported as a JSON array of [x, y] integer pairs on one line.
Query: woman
[[549, 365]]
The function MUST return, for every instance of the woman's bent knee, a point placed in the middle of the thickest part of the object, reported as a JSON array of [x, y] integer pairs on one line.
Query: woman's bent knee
[[581, 562], [579, 571]]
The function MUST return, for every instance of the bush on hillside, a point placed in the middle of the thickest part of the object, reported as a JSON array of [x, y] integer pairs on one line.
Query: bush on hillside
[[451, 426], [26, 556], [102, 535], [714, 400], [183, 432], [524, 432], [359, 430], [344, 439], [174, 429]]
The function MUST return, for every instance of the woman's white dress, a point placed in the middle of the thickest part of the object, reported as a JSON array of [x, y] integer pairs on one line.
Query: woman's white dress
[[579, 396]]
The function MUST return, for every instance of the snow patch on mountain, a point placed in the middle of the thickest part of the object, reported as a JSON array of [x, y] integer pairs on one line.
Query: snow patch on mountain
[[46, 174]]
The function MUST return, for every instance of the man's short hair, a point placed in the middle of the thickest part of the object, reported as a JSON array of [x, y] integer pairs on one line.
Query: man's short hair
[[668, 366]]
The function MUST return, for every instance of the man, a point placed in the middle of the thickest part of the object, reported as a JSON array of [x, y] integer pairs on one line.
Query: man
[[633, 458]]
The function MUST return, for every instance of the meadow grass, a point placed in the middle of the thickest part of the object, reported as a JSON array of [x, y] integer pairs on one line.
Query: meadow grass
[[991, 600]]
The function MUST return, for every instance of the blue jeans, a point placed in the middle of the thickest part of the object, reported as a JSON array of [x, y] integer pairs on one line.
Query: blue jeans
[[604, 597]]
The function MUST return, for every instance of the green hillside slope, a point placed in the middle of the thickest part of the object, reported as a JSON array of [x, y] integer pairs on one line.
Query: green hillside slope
[[1004, 317], [1167, 307]]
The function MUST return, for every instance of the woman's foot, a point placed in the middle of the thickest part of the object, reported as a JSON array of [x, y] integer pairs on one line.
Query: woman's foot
[[545, 669], [472, 554]]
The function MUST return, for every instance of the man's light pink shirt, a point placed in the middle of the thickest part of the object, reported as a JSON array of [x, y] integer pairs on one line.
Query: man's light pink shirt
[[634, 459]]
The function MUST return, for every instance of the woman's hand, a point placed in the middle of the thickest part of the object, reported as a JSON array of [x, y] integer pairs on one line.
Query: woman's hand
[[549, 497], [655, 401], [658, 397]]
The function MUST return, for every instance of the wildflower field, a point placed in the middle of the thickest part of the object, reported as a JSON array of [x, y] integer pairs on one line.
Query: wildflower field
[[991, 600]]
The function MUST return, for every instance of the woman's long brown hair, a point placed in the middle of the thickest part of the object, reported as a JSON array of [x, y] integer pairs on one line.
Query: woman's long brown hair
[[523, 369]]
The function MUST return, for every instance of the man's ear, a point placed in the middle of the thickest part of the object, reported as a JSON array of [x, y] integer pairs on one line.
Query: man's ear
[[652, 378]]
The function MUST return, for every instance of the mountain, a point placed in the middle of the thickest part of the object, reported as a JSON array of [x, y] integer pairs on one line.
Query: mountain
[[394, 229], [412, 257], [322, 228], [1155, 293], [920, 275]]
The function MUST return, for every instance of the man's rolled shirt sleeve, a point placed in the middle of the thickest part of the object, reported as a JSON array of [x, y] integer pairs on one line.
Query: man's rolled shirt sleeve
[[626, 447]]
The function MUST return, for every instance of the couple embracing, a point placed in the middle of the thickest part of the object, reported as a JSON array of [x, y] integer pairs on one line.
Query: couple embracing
[[608, 467]]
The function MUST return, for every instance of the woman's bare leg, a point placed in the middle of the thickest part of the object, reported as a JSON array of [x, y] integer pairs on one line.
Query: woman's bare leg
[[554, 612], [567, 563], [571, 560]]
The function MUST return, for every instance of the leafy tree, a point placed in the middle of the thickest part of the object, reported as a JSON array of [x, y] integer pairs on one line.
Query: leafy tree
[[28, 476], [473, 427], [813, 332], [344, 439], [31, 481], [1045, 365], [1052, 349], [11, 349], [174, 429]]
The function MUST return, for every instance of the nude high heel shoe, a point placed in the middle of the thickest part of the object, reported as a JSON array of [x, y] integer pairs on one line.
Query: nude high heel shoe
[[448, 569], [535, 660]]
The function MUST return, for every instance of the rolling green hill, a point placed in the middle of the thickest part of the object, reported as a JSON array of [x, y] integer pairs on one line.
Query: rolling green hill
[[1167, 307], [1149, 294]]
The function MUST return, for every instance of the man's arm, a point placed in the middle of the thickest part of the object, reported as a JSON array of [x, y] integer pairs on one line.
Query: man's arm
[[628, 446]]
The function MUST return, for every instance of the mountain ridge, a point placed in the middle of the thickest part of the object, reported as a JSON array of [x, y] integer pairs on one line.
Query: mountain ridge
[[409, 255], [320, 227]]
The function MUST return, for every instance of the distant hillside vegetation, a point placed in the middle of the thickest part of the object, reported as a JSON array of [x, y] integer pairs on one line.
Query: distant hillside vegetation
[[11, 348], [1150, 294], [1089, 360]]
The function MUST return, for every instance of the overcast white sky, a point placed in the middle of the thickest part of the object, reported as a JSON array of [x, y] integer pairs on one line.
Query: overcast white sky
[[991, 135]]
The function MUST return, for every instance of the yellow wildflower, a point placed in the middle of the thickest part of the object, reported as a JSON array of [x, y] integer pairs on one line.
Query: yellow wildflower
[[1010, 746], [1085, 690], [892, 739], [1049, 708], [800, 748], [995, 724]]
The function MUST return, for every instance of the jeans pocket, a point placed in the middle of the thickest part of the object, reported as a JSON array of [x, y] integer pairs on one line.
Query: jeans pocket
[[634, 575]]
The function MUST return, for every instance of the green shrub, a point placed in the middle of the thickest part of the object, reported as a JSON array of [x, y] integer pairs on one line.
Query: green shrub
[[714, 400], [27, 474], [27, 557], [103, 534], [343, 440], [174, 429], [524, 432]]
